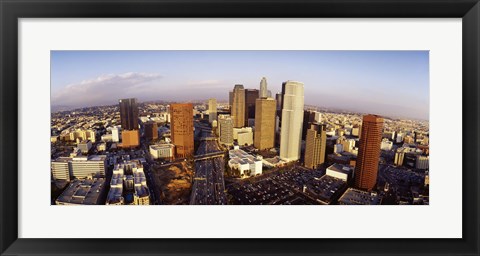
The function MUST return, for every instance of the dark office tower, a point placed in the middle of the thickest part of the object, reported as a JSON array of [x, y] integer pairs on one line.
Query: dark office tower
[[151, 130], [129, 114], [251, 95], [308, 118], [369, 152], [278, 98], [315, 144], [182, 129]]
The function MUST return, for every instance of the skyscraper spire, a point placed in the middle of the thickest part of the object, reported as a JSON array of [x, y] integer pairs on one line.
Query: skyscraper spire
[[263, 88]]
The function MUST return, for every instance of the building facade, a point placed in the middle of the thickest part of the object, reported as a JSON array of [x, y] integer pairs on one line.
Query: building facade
[[238, 106], [225, 128], [182, 129], [243, 136], [129, 114], [130, 138], [292, 120], [151, 130], [162, 151], [366, 168], [61, 168], [251, 95], [265, 113], [83, 166], [212, 110], [315, 144]]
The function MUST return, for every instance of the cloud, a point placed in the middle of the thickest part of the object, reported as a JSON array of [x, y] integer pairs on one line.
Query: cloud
[[105, 89]]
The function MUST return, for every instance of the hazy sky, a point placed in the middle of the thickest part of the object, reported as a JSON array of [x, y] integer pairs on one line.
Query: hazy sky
[[380, 82]]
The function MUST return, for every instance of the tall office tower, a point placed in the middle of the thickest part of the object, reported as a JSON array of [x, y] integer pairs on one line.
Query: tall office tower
[[264, 137], [181, 129], [269, 94], [308, 118], [151, 130], [129, 114], [238, 106], [263, 88], [230, 100], [212, 110], [316, 141], [278, 98], [369, 152], [251, 95], [292, 120], [278, 123], [225, 128]]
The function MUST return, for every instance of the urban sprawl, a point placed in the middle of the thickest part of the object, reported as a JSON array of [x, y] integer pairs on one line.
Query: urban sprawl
[[256, 149]]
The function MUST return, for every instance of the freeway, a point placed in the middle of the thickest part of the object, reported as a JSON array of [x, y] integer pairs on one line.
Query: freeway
[[208, 185]]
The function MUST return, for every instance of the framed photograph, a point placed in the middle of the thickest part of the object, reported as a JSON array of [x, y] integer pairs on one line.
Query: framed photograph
[[225, 127]]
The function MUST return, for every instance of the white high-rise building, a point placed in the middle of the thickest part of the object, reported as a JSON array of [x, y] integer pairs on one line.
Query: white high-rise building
[[292, 120], [116, 134], [263, 88]]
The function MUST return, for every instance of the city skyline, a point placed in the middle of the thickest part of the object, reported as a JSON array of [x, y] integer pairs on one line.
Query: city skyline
[[348, 80]]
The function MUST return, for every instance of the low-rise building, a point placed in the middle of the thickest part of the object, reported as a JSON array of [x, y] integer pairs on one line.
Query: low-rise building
[[386, 145], [359, 197], [85, 166], [61, 168], [162, 151], [83, 192], [326, 189], [244, 136], [422, 162], [340, 171], [85, 146], [128, 185], [247, 164]]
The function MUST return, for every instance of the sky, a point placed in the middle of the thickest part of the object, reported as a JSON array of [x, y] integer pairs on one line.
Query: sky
[[390, 83]]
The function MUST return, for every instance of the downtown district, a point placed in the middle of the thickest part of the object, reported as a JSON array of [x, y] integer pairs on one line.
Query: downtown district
[[253, 150]]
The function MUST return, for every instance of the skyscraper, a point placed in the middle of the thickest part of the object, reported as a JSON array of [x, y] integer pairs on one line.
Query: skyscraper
[[264, 137], [316, 141], [129, 114], [369, 152], [212, 110], [151, 130], [182, 128], [309, 116], [238, 106], [263, 88], [251, 95], [292, 120], [225, 128]]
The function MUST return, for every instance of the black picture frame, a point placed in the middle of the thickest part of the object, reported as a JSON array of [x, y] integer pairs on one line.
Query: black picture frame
[[11, 11]]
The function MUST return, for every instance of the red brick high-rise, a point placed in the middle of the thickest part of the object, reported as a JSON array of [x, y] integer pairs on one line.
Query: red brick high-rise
[[369, 152], [181, 128]]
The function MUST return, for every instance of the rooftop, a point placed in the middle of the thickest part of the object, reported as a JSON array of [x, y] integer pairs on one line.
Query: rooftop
[[358, 197], [85, 192], [340, 168]]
